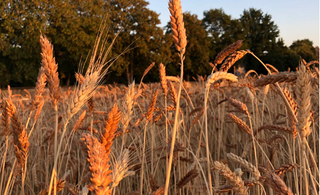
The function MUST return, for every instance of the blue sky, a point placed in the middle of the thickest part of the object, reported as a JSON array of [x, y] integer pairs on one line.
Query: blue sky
[[296, 19]]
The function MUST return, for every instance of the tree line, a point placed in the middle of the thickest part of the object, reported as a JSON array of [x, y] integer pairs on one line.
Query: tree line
[[72, 27]]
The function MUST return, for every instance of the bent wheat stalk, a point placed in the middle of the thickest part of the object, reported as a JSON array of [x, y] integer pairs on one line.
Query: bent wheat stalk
[[212, 79]]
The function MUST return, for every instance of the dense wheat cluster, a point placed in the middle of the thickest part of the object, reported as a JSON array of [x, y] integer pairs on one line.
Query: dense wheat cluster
[[219, 134]]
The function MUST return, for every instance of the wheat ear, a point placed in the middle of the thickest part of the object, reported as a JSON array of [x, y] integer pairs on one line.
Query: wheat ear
[[227, 51], [153, 183], [303, 90], [240, 123], [51, 69], [277, 184], [284, 168], [79, 121], [239, 105], [111, 126], [5, 119], [21, 142], [159, 191], [279, 77], [293, 107], [193, 173], [152, 106], [41, 83], [173, 92], [128, 105], [178, 29], [99, 165], [232, 59], [59, 187], [163, 79], [237, 183], [121, 167], [220, 75], [246, 164]]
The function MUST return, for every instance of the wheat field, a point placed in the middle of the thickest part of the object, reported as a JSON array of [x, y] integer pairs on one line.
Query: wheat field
[[219, 134]]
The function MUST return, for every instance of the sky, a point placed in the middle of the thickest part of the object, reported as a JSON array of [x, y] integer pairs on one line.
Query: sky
[[296, 19]]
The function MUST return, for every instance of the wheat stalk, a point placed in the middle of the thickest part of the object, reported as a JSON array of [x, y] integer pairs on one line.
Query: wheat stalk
[[210, 80], [272, 68]]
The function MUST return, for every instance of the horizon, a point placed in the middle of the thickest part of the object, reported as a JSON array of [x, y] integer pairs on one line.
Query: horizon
[[300, 25]]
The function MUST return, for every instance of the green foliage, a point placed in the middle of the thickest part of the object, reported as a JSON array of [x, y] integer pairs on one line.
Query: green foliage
[[72, 27], [20, 26], [261, 35], [282, 57], [139, 30], [221, 30], [304, 48]]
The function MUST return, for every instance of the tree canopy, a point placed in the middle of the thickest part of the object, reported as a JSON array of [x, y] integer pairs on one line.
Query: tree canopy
[[72, 27]]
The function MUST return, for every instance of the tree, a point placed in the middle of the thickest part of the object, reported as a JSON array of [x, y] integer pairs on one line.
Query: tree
[[215, 22], [261, 34], [20, 26], [304, 48], [197, 51], [282, 57], [71, 26], [221, 30], [261, 30], [139, 30]]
